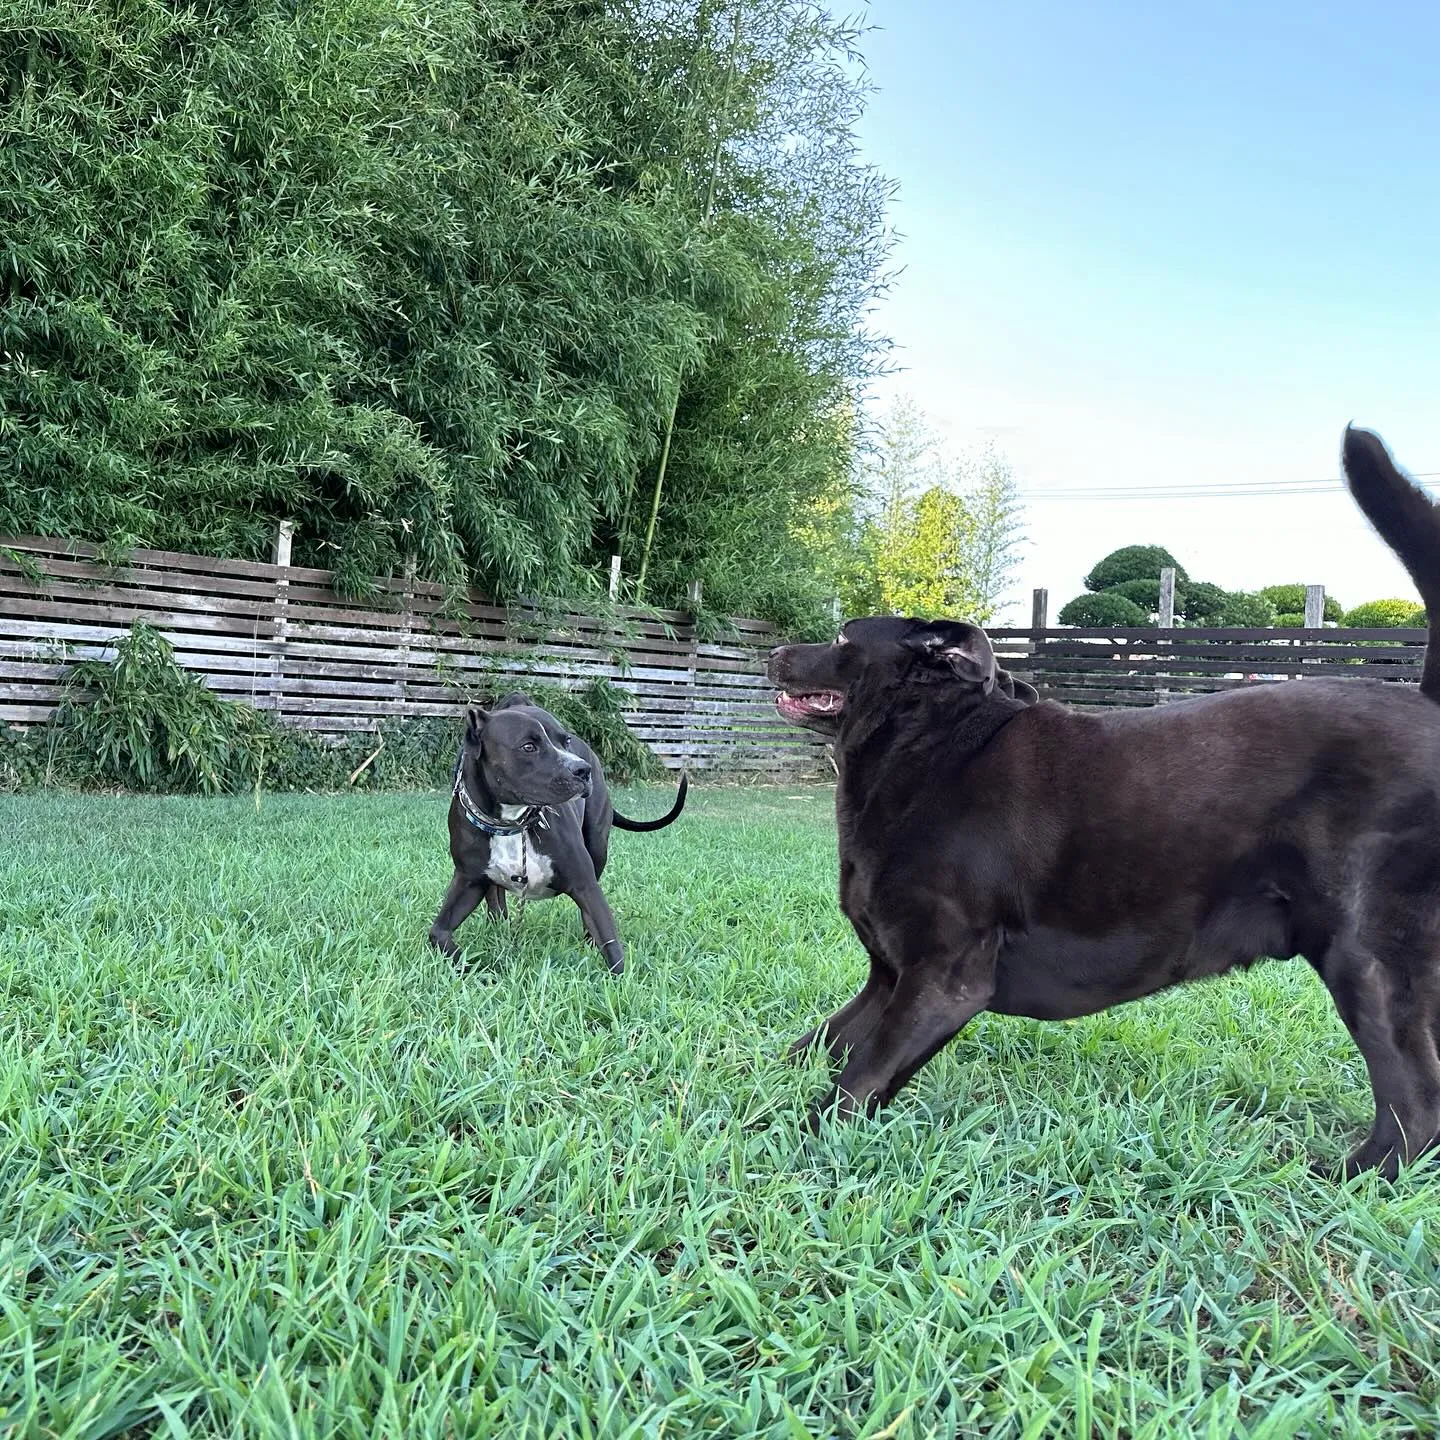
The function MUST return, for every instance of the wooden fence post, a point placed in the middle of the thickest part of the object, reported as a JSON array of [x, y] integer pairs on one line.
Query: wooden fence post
[[614, 577], [1314, 606], [694, 594], [1039, 623], [1167, 599], [1167, 622], [1039, 609], [407, 621], [280, 556]]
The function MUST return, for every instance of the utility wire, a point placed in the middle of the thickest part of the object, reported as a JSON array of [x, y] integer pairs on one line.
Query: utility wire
[[1220, 490]]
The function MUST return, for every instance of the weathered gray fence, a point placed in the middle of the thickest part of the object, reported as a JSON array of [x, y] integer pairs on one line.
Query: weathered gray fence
[[1151, 666], [279, 637]]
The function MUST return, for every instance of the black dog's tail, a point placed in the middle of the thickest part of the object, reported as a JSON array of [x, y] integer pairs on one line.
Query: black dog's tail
[[1408, 521], [621, 823]]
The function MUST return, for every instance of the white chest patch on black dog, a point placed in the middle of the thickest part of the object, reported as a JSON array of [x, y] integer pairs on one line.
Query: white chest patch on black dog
[[517, 864]]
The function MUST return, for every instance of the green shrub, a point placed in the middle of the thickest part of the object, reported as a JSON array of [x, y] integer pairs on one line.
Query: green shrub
[[1204, 603], [1133, 562], [1247, 611], [1146, 594], [1290, 600], [1106, 608], [1386, 614], [144, 723], [1290, 620]]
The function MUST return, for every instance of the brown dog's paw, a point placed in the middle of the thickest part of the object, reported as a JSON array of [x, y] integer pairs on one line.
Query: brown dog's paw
[[1362, 1161], [804, 1043]]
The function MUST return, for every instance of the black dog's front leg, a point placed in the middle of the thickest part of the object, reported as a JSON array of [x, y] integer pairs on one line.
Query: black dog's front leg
[[460, 899], [600, 923], [495, 901], [934, 998]]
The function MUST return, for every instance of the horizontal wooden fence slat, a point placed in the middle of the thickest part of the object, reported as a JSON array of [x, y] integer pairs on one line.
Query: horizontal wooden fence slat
[[282, 638], [1152, 666]]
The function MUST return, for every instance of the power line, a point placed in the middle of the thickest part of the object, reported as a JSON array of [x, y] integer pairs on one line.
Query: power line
[[1219, 490]]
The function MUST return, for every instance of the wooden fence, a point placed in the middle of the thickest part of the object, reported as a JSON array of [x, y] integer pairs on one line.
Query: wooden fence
[[1151, 666], [279, 637]]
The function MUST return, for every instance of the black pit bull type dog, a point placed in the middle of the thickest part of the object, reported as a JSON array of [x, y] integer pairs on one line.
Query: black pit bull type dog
[[1002, 854], [530, 815]]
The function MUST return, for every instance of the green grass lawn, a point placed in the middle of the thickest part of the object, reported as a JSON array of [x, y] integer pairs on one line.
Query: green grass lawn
[[269, 1166]]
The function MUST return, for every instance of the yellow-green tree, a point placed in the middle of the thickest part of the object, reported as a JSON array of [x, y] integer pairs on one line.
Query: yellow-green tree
[[930, 536]]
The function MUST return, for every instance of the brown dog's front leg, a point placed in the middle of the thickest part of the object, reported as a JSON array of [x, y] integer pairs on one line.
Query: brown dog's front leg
[[931, 1003], [856, 1017]]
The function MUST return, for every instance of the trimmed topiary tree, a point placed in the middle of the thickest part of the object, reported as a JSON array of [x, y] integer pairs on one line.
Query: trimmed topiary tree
[[1134, 562], [1204, 603], [1247, 612], [1106, 608], [1290, 600], [1146, 594], [1386, 614]]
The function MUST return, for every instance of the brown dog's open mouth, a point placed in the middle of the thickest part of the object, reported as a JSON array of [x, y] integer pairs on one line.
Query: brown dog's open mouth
[[828, 703]]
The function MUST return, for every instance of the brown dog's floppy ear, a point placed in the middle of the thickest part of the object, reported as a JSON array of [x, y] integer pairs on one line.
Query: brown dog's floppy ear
[[965, 649], [476, 719], [1015, 689]]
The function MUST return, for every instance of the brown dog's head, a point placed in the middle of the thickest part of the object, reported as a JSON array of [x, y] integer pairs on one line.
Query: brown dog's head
[[816, 680]]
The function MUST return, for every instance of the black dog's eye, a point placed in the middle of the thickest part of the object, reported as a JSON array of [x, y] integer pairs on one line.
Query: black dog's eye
[[529, 747]]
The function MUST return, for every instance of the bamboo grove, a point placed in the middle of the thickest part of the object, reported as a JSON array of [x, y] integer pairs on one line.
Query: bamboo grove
[[500, 287]]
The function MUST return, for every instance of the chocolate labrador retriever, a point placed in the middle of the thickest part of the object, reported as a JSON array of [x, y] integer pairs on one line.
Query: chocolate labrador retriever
[[530, 815], [1020, 857]]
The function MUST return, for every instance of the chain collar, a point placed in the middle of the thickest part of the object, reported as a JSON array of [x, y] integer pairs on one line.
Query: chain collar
[[531, 818]]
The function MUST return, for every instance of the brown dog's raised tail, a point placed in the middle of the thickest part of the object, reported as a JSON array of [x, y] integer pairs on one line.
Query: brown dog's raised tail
[[1408, 521], [622, 823]]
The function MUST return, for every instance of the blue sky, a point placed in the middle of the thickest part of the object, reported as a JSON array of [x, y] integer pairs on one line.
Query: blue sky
[[1153, 245]]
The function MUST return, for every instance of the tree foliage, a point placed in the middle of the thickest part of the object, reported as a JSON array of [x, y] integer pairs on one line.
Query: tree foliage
[[1204, 603], [1386, 614], [427, 278], [921, 533], [1133, 562], [1246, 611], [1105, 607], [1290, 600]]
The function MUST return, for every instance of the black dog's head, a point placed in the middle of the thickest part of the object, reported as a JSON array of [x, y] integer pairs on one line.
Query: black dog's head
[[521, 762], [815, 680]]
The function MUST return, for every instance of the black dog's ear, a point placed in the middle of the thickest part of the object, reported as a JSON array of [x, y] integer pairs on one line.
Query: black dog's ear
[[476, 719], [1026, 693], [514, 698], [965, 649]]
